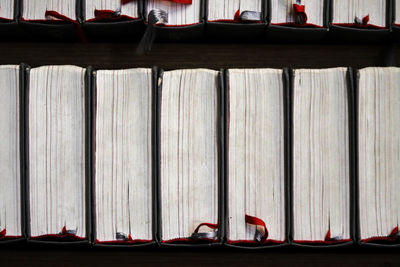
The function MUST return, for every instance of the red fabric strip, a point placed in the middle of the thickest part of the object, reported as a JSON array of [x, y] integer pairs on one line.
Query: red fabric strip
[[300, 10], [365, 20], [134, 241], [3, 233], [393, 236], [107, 14], [328, 236], [323, 241], [189, 240], [57, 15], [307, 25], [254, 242], [257, 221], [362, 26], [6, 20], [232, 21], [124, 2], [209, 225], [175, 1], [58, 236]]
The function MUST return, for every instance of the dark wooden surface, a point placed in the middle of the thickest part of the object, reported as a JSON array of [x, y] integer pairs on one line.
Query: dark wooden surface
[[215, 56]]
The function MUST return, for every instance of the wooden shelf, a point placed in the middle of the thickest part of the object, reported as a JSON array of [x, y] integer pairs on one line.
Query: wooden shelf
[[202, 55]]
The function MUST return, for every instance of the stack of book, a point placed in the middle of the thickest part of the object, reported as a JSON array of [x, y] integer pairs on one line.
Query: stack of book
[[177, 20], [249, 158]]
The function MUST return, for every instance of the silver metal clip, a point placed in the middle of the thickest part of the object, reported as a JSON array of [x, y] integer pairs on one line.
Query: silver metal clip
[[121, 236], [251, 16], [208, 235]]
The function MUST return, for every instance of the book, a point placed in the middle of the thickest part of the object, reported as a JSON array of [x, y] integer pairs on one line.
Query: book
[[7, 10], [256, 148], [321, 151], [111, 9], [57, 130], [123, 156], [10, 153], [231, 11], [40, 10], [189, 157], [360, 13], [396, 12], [378, 150], [173, 13], [308, 13]]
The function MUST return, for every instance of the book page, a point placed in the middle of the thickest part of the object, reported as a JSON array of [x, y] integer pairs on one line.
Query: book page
[[321, 175], [378, 151], [226, 9], [130, 9], [178, 14], [123, 159], [57, 161], [7, 9], [10, 154], [256, 149], [36, 9], [189, 151], [345, 11], [282, 11]]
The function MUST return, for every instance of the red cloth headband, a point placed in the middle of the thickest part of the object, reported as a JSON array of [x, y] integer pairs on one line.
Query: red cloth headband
[[176, 1]]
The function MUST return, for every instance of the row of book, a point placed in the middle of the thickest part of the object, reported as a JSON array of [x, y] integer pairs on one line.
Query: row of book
[[116, 20], [199, 157]]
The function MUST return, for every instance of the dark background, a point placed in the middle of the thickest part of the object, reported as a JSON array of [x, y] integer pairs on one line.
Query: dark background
[[201, 55]]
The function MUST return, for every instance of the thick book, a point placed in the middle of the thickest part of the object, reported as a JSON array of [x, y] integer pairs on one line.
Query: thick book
[[190, 158], [112, 20], [297, 21], [58, 148], [175, 20], [378, 122], [124, 157], [237, 20], [9, 13], [52, 20], [12, 189], [322, 176], [396, 20], [360, 20], [257, 148]]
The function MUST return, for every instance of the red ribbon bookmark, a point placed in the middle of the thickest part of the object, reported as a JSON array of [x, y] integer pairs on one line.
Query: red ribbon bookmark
[[57, 15], [176, 1], [209, 225], [257, 221], [365, 20], [394, 233], [300, 12], [3, 233]]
